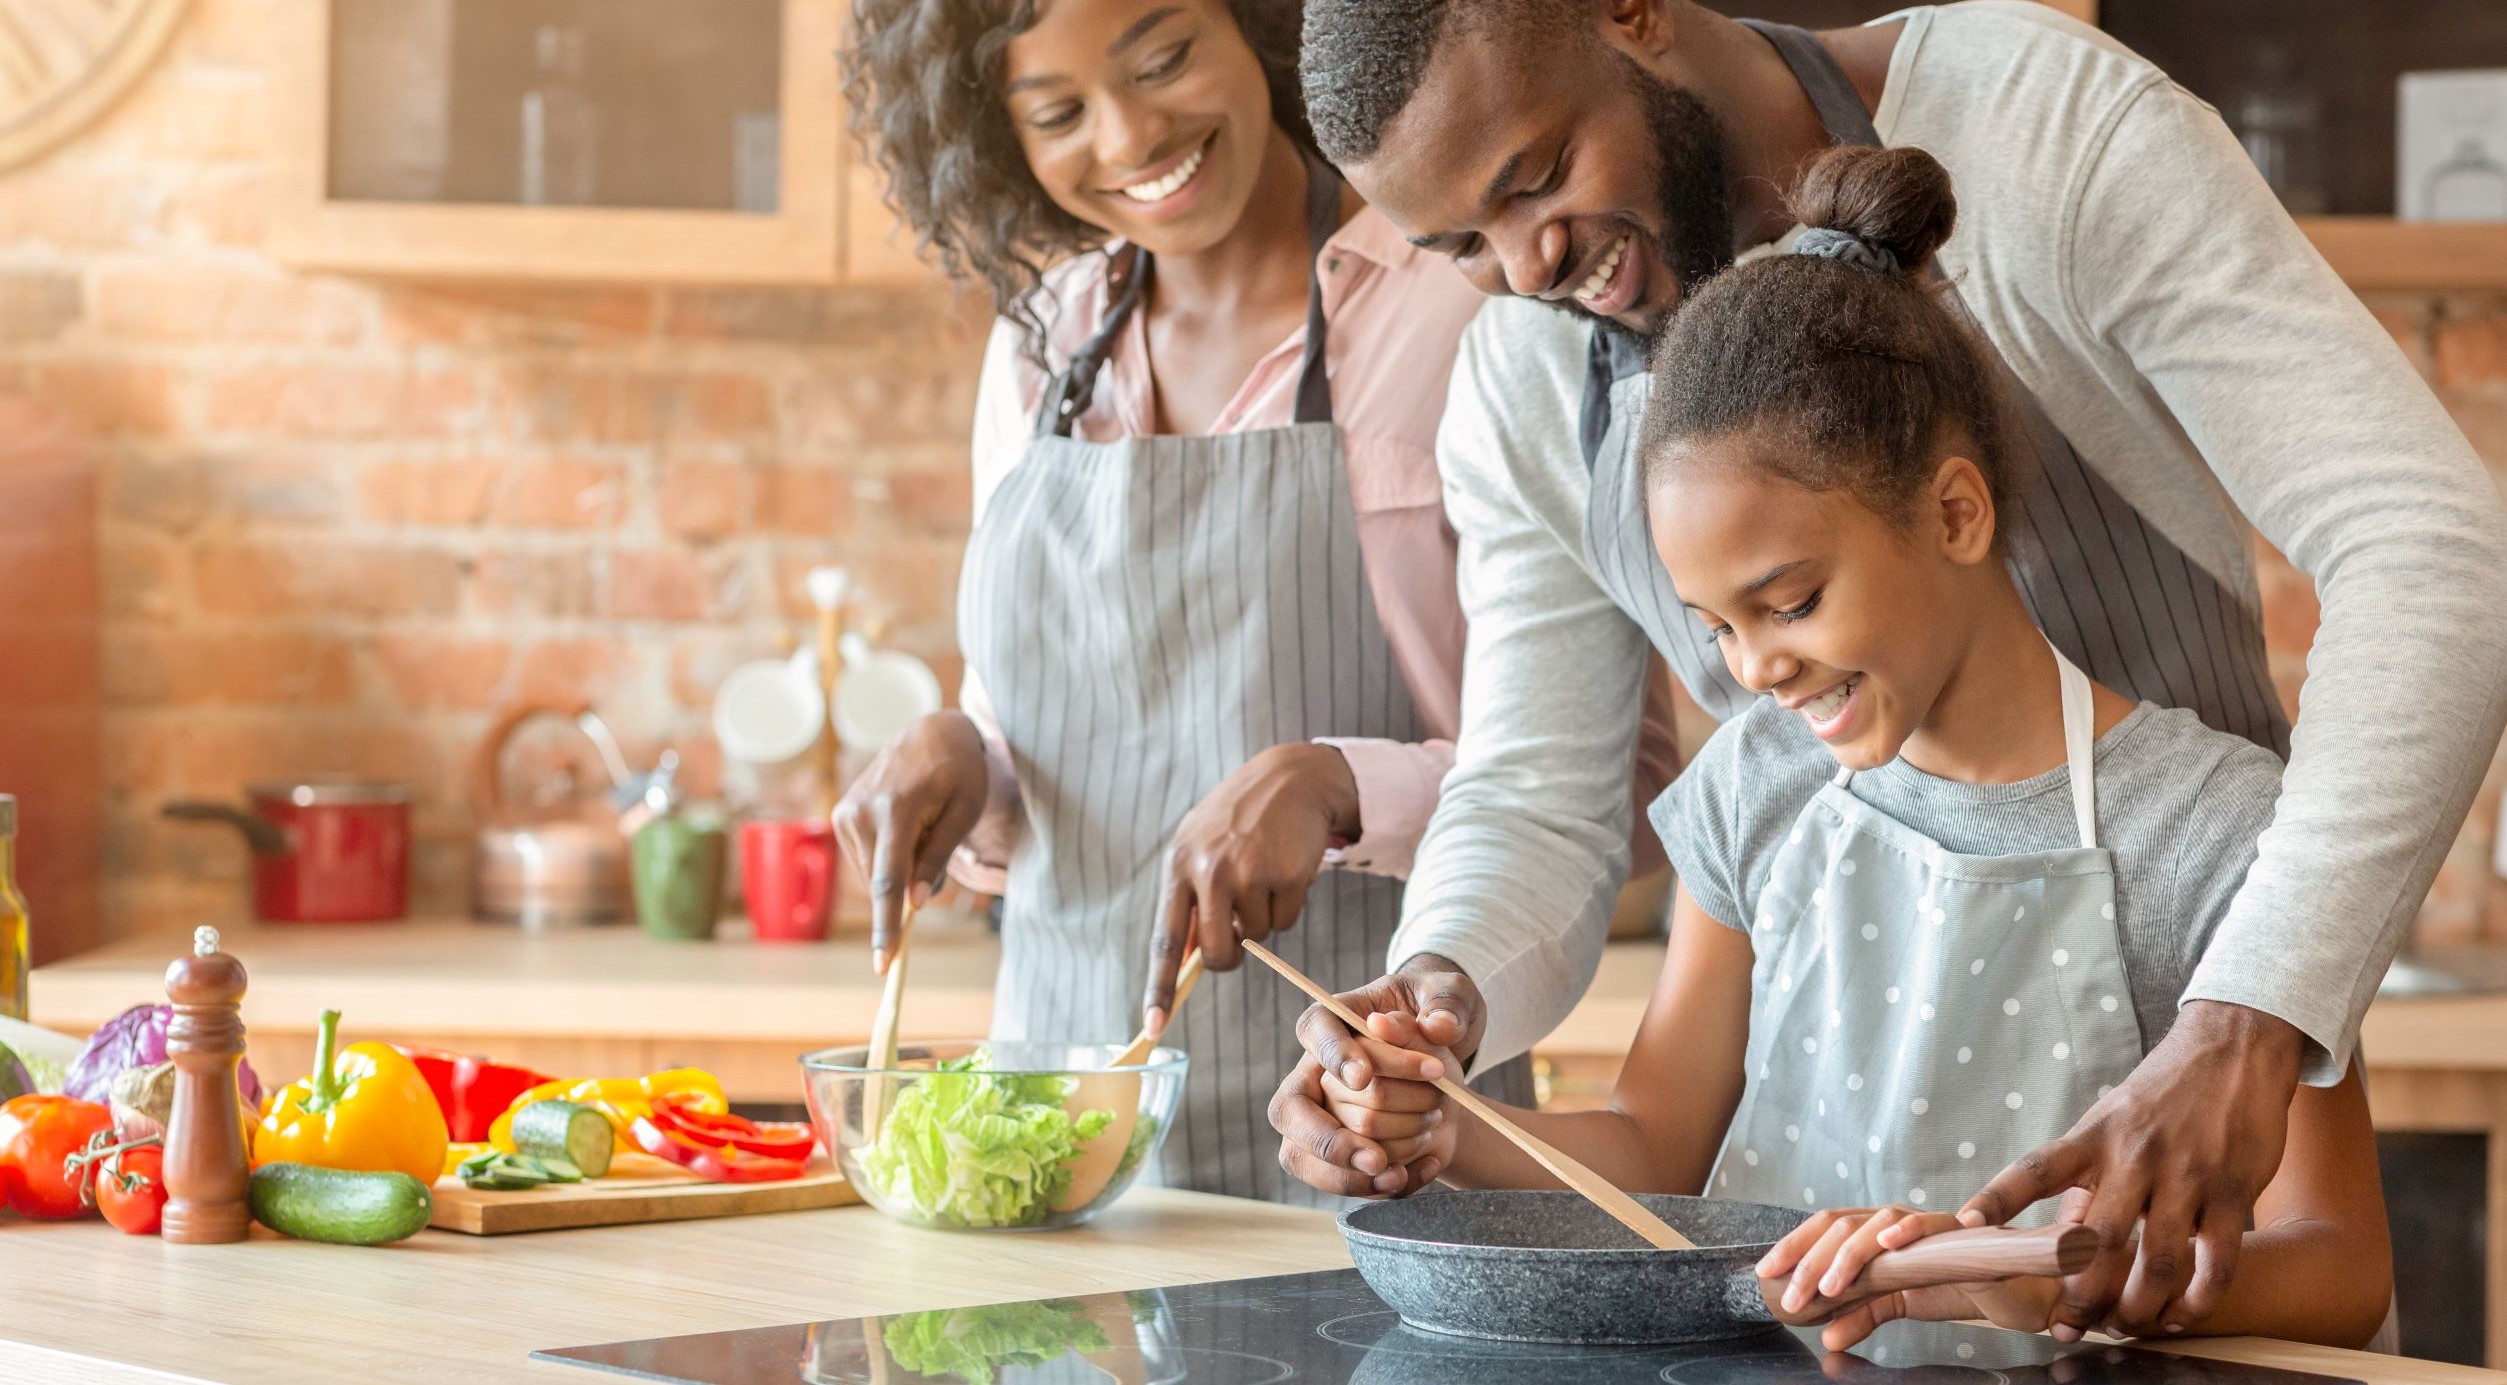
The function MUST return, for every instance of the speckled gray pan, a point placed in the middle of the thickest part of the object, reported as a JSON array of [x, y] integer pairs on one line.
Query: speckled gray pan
[[1552, 1267]]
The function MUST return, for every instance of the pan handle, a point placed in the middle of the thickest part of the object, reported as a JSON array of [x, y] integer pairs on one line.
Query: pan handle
[[266, 838], [1953, 1257]]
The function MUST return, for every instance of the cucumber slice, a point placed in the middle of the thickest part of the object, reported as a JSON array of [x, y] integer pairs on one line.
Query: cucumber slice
[[568, 1131]]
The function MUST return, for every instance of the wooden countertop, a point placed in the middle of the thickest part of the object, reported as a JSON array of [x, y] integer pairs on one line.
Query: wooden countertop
[[452, 978], [89, 1305]]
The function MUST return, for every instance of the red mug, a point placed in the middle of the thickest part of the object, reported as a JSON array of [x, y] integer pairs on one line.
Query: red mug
[[788, 876]]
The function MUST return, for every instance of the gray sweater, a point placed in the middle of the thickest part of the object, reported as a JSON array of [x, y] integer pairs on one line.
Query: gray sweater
[[2137, 274]]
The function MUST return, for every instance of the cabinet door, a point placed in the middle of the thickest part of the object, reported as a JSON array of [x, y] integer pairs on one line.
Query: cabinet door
[[685, 141]]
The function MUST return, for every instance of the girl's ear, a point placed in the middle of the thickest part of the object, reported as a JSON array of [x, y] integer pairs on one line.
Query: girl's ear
[[1963, 505]]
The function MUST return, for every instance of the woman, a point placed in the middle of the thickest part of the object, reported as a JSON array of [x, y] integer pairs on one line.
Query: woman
[[1211, 631]]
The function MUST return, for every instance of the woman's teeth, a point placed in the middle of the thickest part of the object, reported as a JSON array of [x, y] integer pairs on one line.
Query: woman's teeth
[[1598, 283], [1827, 705], [1173, 183]]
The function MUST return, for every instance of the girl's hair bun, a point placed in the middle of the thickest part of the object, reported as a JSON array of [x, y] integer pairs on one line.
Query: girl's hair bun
[[1898, 200]]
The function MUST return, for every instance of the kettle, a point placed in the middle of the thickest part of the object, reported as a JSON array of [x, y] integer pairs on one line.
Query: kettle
[[560, 866]]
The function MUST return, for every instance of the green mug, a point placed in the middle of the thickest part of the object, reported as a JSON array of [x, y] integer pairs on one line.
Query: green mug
[[679, 863]]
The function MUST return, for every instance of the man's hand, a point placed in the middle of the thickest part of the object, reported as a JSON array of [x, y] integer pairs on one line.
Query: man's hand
[[1244, 858], [2185, 1147], [1424, 1022], [908, 811]]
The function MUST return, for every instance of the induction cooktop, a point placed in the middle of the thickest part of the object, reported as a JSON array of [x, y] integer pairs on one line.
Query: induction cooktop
[[1330, 1328]]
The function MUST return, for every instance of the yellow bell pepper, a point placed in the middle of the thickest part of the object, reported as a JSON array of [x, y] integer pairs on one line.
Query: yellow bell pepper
[[368, 1109], [621, 1099]]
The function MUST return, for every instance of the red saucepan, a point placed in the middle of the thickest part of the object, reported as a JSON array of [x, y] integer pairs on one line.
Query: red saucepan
[[324, 849]]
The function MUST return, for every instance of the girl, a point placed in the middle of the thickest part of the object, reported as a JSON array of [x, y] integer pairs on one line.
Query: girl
[[1939, 892], [1208, 609]]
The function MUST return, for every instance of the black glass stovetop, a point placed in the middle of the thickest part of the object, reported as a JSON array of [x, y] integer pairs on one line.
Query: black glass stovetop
[[1329, 1328]]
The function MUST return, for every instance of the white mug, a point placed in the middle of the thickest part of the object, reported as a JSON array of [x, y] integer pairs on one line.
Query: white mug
[[768, 713]]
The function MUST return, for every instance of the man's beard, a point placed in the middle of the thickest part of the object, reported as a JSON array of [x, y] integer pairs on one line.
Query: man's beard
[[1689, 178]]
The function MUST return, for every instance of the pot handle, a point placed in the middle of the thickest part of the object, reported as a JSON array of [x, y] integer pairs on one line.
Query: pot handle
[[266, 838], [1954, 1257], [487, 778]]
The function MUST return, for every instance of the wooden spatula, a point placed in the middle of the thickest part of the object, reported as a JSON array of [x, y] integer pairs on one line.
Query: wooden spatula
[[1597, 1189], [1093, 1166], [883, 1031]]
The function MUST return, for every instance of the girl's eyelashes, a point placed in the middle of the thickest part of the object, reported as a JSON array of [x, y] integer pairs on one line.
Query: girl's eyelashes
[[1801, 612], [1055, 118]]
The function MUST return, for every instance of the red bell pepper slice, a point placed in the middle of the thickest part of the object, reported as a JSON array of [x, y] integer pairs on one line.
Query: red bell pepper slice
[[472, 1091], [722, 1129], [713, 1163]]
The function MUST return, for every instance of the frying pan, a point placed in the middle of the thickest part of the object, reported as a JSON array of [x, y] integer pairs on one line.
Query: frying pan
[[1549, 1266]]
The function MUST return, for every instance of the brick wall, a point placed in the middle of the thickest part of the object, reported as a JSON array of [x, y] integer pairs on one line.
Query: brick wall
[[342, 520]]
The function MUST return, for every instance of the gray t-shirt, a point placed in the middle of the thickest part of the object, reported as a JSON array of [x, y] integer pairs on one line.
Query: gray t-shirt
[[2179, 804]]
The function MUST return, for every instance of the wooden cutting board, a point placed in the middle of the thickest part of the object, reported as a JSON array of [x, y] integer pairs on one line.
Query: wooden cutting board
[[639, 1188]]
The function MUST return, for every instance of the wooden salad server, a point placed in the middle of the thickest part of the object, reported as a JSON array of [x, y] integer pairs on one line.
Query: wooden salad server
[[1629, 1212]]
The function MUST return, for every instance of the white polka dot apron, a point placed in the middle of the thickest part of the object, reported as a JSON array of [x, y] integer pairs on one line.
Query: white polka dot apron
[[1919, 1017]]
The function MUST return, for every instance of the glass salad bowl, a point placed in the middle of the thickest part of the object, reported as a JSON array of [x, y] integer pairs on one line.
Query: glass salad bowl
[[975, 1135]]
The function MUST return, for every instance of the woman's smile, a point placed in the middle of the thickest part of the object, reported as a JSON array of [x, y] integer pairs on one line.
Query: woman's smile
[[1169, 187]]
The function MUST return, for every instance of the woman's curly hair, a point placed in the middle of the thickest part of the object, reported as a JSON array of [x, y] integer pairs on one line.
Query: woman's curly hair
[[924, 80]]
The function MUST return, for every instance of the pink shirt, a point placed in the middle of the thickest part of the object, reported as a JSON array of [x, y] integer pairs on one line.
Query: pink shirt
[[1395, 315]]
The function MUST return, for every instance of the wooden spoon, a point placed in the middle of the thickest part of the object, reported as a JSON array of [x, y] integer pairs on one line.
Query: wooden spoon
[[883, 1033], [1093, 1165], [1597, 1189]]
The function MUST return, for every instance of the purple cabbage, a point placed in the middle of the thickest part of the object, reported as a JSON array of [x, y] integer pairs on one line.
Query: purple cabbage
[[135, 1038]]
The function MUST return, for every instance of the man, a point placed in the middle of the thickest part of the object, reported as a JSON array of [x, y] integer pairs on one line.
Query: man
[[2184, 364]]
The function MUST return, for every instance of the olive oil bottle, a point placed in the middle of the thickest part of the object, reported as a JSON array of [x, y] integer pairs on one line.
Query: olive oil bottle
[[14, 940]]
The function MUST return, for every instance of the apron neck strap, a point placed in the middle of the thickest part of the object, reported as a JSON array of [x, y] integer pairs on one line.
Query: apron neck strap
[[2080, 741], [1831, 92], [1127, 279]]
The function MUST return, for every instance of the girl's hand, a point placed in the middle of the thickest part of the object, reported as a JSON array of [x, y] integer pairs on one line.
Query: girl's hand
[[1824, 1256]]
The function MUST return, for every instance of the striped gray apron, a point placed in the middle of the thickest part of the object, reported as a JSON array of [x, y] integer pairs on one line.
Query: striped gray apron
[[1147, 614], [2112, 592]]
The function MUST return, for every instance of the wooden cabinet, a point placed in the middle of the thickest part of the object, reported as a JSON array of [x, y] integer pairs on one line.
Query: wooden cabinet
[[444, 138], [692, 141]]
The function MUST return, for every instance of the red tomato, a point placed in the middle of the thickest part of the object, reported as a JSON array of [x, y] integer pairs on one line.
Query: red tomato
[[130, 1187], [38, 1136]]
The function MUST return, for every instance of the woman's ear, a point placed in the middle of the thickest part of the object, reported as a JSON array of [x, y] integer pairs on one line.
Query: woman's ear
[[1962, 503]]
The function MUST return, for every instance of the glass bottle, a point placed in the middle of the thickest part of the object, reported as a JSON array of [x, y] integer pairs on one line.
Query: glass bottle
[[15, 942], [560, 125], [2280, 121]]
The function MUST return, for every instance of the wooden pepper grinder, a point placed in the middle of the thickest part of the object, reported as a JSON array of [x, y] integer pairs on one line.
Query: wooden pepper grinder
[[206, 1172]]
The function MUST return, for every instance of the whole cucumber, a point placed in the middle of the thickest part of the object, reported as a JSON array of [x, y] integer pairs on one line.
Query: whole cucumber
[[338, 1206], [565, 1130]]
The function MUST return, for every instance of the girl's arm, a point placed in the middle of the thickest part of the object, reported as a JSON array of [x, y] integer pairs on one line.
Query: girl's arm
[[1676, 1092], [2316, 1267]]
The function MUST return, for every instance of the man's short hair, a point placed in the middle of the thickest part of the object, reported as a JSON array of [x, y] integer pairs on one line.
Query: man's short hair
[[1364, 59]]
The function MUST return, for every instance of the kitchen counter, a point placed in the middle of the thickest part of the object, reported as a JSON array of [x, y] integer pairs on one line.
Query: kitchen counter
[[88, 1305]]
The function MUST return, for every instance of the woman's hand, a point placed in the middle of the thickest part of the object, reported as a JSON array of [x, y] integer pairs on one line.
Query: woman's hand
[[1243, 858], [1821, 1259], [908, 811]]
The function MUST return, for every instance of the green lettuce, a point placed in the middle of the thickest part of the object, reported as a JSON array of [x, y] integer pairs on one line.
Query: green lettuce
[[965, 1146], [973, 1344]]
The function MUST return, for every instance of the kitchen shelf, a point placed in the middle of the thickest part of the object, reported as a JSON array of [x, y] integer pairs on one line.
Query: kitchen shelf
[[345, 199], [2376, 253]]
